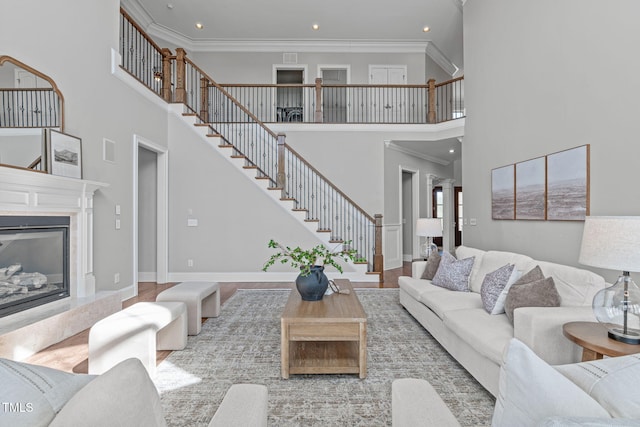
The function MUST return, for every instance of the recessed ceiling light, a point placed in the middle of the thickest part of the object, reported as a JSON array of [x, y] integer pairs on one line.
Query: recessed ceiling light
[[315, 27], [199, 25], [426, 29], [452, 151]]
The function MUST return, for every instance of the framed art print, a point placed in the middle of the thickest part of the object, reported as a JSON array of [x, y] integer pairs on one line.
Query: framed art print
[[530, 189], [568, 184], [503, 193], [63, 154]]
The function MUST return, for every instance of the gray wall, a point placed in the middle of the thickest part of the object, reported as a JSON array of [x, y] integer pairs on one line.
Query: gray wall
[[258, 67], [541, 77], [71, 42]]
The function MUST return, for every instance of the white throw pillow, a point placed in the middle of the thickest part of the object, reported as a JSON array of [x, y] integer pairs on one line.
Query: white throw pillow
[[613, 382], [499, 307], [530, 391], [31, 395], [122, 396]]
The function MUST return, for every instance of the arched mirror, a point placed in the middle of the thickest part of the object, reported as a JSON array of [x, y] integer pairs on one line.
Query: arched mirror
[[30, 102]]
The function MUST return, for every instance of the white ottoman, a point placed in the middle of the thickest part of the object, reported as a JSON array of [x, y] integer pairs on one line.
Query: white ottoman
[[137, 331], [202, 300]]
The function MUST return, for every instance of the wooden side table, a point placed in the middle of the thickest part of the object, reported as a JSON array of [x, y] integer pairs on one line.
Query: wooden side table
[[592, 337]]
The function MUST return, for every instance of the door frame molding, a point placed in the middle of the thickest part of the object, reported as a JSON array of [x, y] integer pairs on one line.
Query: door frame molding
[[162, 209], [415, 204]]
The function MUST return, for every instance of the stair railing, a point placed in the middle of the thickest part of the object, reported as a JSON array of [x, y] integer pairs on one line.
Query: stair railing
[[274, 160], [176, 78]]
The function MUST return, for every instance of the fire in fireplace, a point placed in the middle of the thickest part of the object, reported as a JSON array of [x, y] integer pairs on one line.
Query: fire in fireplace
[[34, 261]]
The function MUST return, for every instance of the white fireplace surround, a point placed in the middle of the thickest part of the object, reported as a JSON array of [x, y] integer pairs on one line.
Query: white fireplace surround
[[32, 193]]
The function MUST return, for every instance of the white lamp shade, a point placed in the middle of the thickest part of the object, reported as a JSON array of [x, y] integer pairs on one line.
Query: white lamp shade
[[429, 227], [611, 242]]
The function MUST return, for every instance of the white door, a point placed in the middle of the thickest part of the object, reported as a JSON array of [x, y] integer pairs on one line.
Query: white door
[[387, 105]]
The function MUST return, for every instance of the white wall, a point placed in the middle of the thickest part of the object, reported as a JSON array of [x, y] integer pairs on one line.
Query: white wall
[[541, 77], [71, 42]]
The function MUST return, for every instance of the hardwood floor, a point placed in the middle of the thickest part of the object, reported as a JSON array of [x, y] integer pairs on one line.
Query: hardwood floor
[[70, 355]]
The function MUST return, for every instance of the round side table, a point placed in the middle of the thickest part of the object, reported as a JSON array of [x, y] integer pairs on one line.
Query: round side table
[[592, 337]]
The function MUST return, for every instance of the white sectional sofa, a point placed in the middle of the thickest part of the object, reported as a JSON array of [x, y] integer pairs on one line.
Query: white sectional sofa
[[475, 338]]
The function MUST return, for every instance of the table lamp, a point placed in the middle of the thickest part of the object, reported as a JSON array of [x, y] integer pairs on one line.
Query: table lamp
[[613, 242], [429, 228]]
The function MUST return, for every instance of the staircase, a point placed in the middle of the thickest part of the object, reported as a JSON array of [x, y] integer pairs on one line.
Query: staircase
[[317, 227]]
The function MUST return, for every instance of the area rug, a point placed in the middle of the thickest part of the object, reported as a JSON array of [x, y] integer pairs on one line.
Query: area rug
[[243, 346]]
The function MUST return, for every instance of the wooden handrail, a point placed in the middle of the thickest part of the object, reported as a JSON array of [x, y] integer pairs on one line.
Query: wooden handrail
[[235, 101], [448, 82], [293, 85]]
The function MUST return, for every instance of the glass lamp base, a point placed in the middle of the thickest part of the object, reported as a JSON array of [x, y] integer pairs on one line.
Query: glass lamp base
[[630, 337]]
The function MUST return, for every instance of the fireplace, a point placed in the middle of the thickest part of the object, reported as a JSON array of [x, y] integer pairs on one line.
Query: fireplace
[[34, 261]]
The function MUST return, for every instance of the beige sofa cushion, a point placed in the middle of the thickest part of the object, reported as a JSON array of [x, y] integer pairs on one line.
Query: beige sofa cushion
[[493, 260], [487, 334], [576, 286], [463, 252], [446, 300], [416, 287]]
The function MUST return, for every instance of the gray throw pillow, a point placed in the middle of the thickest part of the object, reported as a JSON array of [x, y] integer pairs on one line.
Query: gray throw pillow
[[433, 262], [493, 285], [453, 274], [531, 276], [541, 293]]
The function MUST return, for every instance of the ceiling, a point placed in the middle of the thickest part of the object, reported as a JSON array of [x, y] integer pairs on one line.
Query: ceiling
[[353, 24], [344, 26]]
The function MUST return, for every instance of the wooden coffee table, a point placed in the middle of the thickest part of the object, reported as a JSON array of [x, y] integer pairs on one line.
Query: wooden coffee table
[[592, 337], [324, 337]]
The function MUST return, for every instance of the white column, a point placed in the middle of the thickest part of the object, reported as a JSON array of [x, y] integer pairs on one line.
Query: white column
[[431, 182], [448, 222]]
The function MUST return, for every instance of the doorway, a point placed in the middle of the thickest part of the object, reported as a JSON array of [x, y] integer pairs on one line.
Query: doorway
[[150, 201], [335, 102], [290, 99], [409, 210], [438, 212], [388, 103]]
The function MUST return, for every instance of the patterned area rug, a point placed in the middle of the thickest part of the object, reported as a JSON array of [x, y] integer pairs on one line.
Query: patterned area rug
[[243, 346]]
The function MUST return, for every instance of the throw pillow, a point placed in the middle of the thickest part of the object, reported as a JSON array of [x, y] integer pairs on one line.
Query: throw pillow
[[493, 285], [122, 396], [612, 382], [531, 276], [541, 293], [453, 274], [31, 395], [530, 391], [433, 262]]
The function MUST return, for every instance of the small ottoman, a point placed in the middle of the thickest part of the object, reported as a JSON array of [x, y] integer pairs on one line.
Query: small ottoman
[[202, 300]]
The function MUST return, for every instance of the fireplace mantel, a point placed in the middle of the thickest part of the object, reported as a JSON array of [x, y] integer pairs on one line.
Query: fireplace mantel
[[24, 192]]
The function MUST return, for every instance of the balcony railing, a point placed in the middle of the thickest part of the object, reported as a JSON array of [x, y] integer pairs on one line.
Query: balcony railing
[[320, 103], [29, 108]]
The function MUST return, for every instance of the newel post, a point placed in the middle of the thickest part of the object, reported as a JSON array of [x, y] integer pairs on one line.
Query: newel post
[[281, 177], [180, 73], [318, 112], [431, 112], [378, 259], [204, 99], [166, 74]]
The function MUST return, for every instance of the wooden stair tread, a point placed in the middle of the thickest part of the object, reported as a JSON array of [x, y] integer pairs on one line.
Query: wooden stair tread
[[189, 114], [284, 199], [215, 135], [300, 210], [276, 188], [225, 146], [249, 167], [323, 230], [311, 220], [201, 124]]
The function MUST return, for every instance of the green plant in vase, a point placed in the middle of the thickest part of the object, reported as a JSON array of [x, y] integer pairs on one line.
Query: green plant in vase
[[312, 283]]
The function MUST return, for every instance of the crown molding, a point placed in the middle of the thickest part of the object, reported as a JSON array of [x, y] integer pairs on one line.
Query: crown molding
[[439, 58], [137, 12], [278, 46], [393, 146]]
